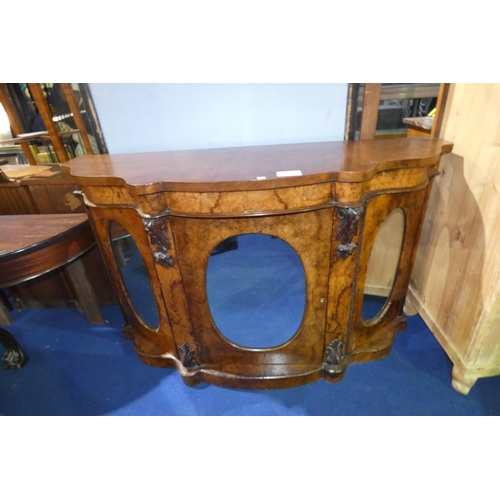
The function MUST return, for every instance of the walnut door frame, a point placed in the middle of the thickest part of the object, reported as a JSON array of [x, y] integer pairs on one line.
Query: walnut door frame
[[224, 362], [380, 330]]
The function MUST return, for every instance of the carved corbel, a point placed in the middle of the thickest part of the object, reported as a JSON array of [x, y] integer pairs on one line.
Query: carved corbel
[[156, 229], [334, 359], [187, 356], [347, 229]]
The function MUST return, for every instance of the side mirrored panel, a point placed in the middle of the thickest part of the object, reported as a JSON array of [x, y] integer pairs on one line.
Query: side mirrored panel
[[134, 274], [383, 264], [256, 290]]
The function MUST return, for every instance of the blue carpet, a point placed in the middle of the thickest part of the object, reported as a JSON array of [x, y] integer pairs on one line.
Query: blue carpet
[[255, 297], [76, 369], [257, 294]]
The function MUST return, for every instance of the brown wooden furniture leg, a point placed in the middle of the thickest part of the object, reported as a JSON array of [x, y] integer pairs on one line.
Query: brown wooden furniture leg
[[462, 382], [5, 318], [85, 292], [14, 357]]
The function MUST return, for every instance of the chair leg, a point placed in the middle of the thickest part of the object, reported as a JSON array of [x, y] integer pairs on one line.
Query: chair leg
[[85, 292], [14, 357]]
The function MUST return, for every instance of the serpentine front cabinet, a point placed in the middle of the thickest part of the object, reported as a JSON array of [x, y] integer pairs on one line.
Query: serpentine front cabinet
[[323, 202]]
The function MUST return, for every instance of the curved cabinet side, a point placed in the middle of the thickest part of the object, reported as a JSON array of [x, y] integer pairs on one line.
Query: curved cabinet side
[[160, 339], [373, 339]]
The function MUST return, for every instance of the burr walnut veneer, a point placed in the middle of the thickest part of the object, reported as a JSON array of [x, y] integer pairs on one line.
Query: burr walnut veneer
[[326, 200]]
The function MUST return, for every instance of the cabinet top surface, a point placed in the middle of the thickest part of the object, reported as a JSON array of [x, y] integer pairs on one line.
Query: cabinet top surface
[[258, 167]]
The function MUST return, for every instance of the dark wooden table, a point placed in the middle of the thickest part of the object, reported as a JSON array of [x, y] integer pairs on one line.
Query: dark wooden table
[[38, 193], [35, 244]]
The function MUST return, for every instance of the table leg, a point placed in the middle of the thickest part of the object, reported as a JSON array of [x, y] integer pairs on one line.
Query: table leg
[[14, 357], [85, 292], [5, 318]]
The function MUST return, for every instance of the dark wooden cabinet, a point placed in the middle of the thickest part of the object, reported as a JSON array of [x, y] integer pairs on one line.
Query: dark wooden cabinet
[[325, 200]]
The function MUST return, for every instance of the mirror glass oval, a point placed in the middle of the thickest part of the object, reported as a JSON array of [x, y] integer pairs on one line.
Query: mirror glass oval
[[256, 290], [134, 274], [383, 264]]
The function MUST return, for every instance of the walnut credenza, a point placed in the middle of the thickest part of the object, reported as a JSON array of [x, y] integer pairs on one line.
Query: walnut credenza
[[326, 200]]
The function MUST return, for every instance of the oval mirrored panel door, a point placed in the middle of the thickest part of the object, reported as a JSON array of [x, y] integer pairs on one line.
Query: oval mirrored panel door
[[256, 290], [134, 274], [383, 264]]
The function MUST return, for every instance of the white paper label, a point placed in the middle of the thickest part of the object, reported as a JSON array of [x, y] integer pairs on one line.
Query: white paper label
[[288, 173]]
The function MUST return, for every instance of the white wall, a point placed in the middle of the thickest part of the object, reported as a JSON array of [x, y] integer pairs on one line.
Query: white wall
[[163, 117]]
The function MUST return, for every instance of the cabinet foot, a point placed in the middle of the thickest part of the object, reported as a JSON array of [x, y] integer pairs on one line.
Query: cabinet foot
[[462, 382]]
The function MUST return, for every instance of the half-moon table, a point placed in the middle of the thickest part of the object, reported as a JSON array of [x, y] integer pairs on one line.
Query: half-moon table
[[326, 200], [35, 244]]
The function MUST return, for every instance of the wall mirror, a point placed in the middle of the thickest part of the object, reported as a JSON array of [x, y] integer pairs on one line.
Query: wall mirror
[[383, 264], [256, 290], [134, 274]]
